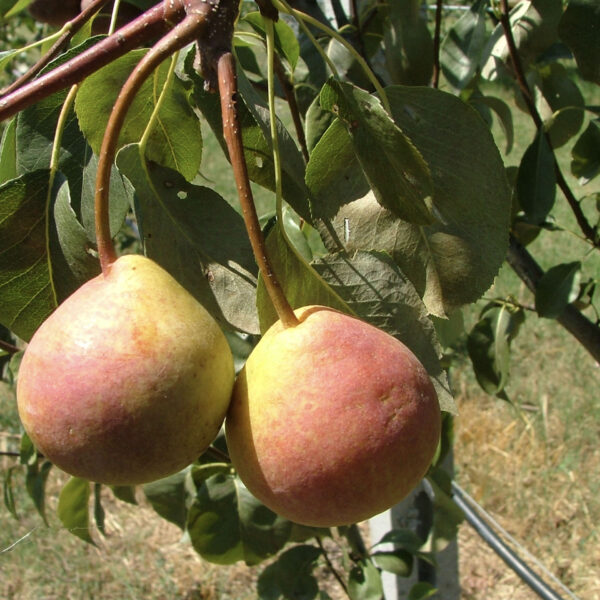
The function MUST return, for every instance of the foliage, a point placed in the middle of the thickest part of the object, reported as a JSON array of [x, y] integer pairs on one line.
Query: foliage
[[393, 203]]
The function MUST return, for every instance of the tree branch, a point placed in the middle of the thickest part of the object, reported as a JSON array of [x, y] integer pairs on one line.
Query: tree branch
[[588, 231], [575, 322], [153, 23], [74, 26], [435, 80]]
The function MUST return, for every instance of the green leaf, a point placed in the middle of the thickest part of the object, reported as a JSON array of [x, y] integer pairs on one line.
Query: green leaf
[[421, 591], [35, 484], [17, 7], [120, 194], [408, 46], [73, 509], [504, 115], [8, 493], [463, 45], [364, 582], [378, 292], [585, 154], [557, 288], [73, 264], [286, 42], [168, 497], [534, 25], [99, 514], [254, 119], [226, 523], [399, 178], [8, 152], [403, 538], [290, 576], [301, 284], [579, 28], [316, 123], [26, 294], [175, 140], [559, 102], [447, 516], [197, 237], [399, 562], [334, 175], [36, 127], [454, 260], [536, 180], [126, 493], [488, 344], [27, 451]]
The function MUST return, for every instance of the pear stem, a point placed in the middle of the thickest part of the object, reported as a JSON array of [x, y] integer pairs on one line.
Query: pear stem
[[232, 132], [181, 35]]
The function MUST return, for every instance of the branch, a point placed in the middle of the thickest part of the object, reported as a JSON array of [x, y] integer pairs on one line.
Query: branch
[[435, 80], [72, 27], [8, 347], [153, 23], [576, 323], [290, 96], [588, 231]]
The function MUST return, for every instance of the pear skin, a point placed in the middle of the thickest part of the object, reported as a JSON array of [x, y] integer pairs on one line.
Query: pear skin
[[331, 421], [128, 380]]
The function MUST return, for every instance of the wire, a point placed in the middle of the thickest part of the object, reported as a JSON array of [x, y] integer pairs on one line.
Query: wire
[[469, 506]]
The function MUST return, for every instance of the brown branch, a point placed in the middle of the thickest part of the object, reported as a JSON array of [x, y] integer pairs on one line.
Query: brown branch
[[435, 79], [576, 323], [331, 566], [232, 132], [8, 347], [290, 96], [588, 231], [75, 25], [154, 22]]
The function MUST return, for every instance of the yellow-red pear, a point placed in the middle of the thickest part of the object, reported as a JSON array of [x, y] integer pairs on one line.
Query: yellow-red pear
[[128, 380], [331, 421]]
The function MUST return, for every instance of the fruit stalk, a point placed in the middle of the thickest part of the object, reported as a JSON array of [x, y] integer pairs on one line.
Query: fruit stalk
[[232, 133], [182, 34]]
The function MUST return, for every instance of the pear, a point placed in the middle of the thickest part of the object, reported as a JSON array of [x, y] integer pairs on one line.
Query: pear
[[331, 421], [128, 380]]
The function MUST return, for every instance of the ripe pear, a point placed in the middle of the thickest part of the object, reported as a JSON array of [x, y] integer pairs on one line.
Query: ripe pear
[[331, 421], [128, 380]]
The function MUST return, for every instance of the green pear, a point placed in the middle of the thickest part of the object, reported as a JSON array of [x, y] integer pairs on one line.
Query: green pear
[[128, 380], [331, 421]]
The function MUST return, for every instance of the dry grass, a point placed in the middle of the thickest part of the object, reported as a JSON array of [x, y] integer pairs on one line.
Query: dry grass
[[529, 472]]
